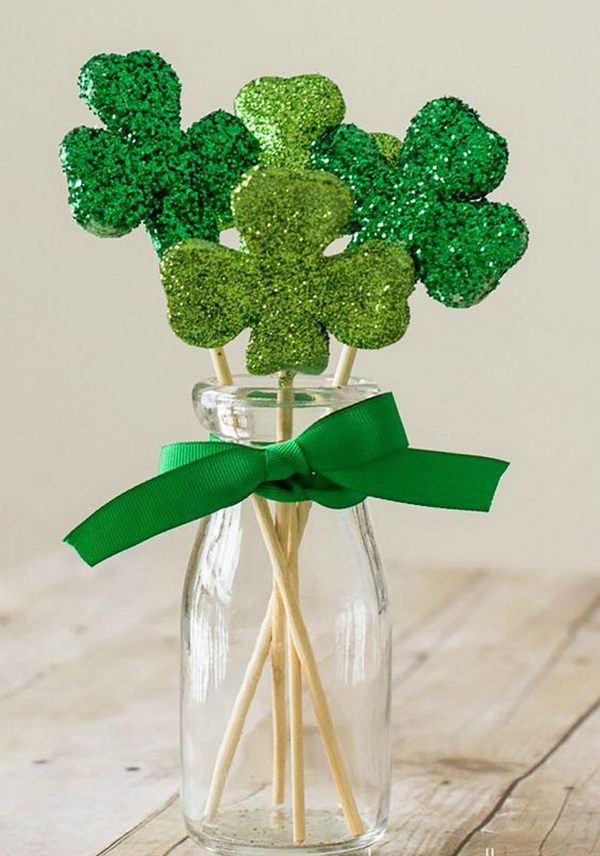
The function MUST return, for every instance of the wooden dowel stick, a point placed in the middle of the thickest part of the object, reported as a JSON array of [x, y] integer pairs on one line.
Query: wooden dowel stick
[[285, 400], [310, 669], [341, 376], [239, 713], [283, 431], [295, 690], [221, 366], [303, 515], [287, 517], [344, 367], [278, 680]]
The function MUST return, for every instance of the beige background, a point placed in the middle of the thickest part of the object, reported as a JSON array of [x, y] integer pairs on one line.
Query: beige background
[[94, 381]]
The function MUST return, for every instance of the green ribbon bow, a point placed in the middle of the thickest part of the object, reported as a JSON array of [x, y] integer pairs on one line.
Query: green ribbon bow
[[352, 453]]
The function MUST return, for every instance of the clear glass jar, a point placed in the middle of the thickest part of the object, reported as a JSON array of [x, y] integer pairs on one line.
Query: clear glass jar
[[270, 762]]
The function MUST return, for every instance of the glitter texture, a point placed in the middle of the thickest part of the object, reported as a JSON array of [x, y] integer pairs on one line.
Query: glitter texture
[[431, 198], [143, 168], [287, 114], [281, 285], [389, 146]]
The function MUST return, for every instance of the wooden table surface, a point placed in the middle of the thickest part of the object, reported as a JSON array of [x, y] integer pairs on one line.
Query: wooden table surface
[[496, 712]]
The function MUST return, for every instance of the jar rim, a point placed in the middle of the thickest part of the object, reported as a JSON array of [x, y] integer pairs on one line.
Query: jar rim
[[255, 391]]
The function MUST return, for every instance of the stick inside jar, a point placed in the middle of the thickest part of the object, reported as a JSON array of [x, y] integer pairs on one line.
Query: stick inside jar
[[283, 432], [309, 669], [286, 518]]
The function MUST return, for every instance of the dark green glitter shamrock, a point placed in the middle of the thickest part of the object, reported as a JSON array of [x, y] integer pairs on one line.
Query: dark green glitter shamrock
[[431, 200], [143, 167], [281, 284], [286, 114]]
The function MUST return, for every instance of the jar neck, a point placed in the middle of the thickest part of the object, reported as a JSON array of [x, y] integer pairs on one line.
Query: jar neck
[[258, 411]]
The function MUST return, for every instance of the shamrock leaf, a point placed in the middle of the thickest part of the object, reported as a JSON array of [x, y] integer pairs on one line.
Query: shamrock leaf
[[281, 284], [142, 167], [287, 114], [430, 197]]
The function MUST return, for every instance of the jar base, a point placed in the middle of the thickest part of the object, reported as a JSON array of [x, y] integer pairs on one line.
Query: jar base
[[259, 832]]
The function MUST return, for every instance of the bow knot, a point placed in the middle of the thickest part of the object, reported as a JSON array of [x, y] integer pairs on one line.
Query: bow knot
[[347, 455], [285, 459]]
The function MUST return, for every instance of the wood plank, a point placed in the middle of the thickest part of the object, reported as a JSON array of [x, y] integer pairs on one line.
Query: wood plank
[[160, 833], [54, 609], [554, 808], [494, 698], [90, 668], [516, 641], [442, 792], [491, 674], [90, 746]]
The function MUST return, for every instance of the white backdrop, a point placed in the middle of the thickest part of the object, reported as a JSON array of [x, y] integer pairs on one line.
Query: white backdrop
[[94, 382]]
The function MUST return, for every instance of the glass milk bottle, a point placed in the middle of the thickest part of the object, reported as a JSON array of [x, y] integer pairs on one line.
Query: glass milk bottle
[[285, 689]]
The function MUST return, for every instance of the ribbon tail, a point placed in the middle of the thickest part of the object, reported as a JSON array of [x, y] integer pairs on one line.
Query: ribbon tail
[[179, 454], [422, 477], [168, 500]]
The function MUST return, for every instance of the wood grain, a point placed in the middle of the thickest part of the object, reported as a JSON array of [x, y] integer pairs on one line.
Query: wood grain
[[496, 712]]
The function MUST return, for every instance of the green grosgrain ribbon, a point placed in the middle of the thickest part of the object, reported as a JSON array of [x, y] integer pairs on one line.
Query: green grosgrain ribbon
[[342, 458]]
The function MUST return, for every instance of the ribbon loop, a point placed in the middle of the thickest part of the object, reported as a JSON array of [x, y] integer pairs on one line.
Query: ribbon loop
[[285, 459]]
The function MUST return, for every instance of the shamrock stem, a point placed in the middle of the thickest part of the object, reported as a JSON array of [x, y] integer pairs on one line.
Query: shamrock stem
[[343, 370], [284, 432], [278, 686], [287, 528], [341, 376], [296, 524], [221, 366], [295, 690]]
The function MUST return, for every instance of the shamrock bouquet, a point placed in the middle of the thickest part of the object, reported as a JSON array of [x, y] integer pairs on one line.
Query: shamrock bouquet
[[288, 173]]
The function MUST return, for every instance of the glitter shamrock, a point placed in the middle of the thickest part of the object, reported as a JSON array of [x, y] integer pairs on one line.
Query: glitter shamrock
[[281, 284], [142, 167], [429, 197], [286, 114], [389, 146]]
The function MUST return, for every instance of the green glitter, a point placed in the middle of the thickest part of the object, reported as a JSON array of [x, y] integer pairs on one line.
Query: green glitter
[[143, 168], [431, 201], [389, 146], [281, 285], [287, 114]]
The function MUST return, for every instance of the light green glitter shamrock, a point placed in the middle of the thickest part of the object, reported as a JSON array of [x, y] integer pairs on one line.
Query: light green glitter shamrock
[[286, 114], [143, 167], [281, 284]]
